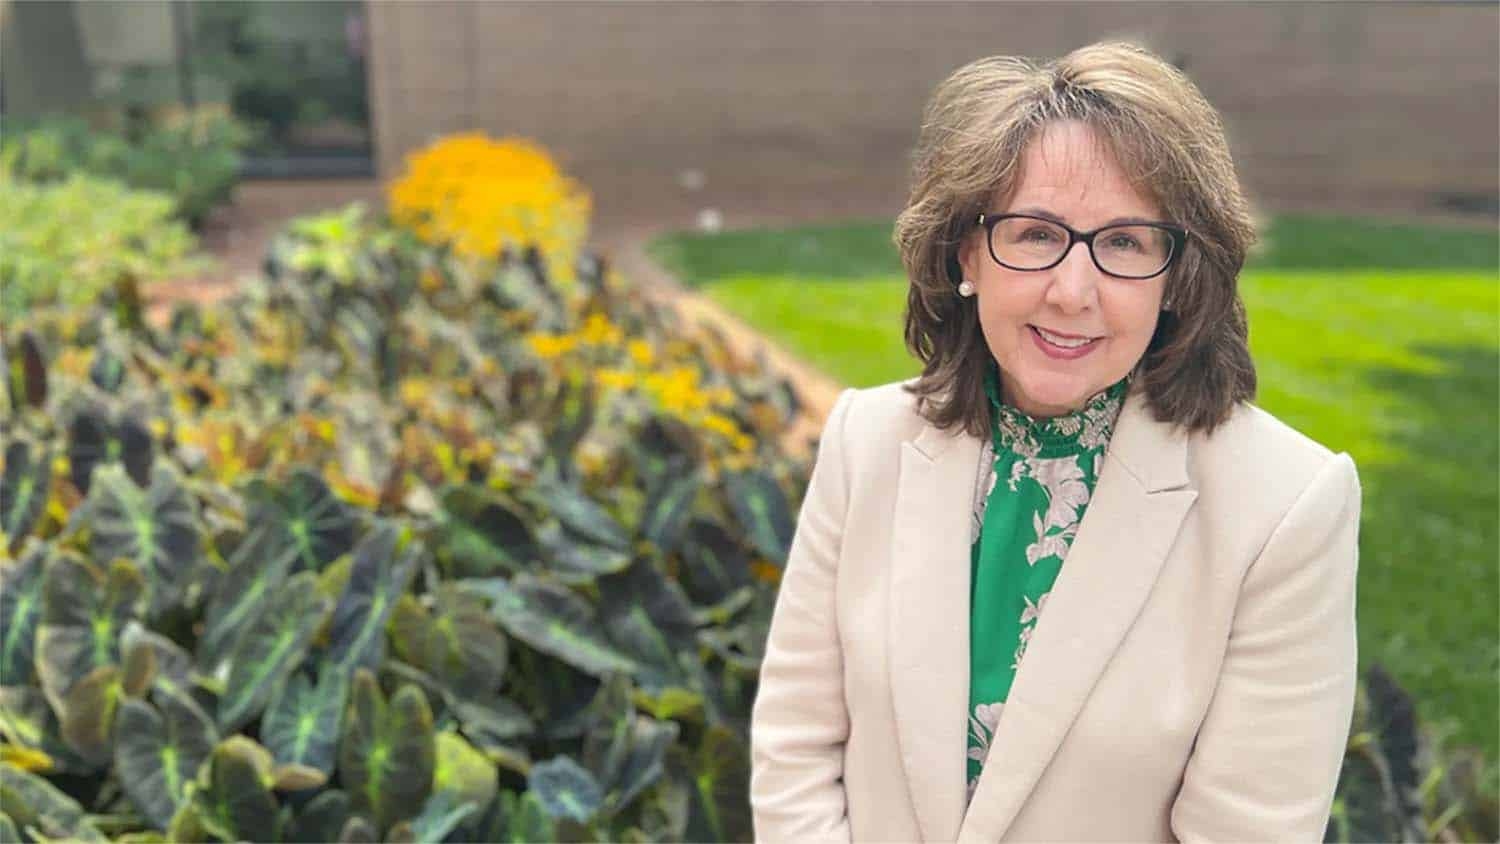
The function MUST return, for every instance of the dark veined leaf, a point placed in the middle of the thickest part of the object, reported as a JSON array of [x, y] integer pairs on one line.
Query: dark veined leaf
[[301, 726], [99, 436], [108, 369], [84, 610], [88, 714], [552, 619], [30, 800], [23, 489], [8, 832], [669, 506], [580, 514], [441, 814], [571, 417], [577, 561], [717, 777], [382, 569], [358, 830], [565, 789], [649, 618], [318, 525], [481, 535], [26, 377], [457, 642], [256, 569], [714, 564], [463, 772], [271, 649], [139, 671], [157, 528], [172, 667], [624, 751], [494, 722], [233, 798], [321, 819], [388, 751], [763, 513], [21, 601], [158, 751]]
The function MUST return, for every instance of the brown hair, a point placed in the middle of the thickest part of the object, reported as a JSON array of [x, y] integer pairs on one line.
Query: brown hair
[[1168, 140]]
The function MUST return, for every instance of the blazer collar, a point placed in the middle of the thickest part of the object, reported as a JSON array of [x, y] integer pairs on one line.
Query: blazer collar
[[1138, 503]]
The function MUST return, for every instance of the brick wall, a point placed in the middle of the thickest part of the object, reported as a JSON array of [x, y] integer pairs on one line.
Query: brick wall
[[1384, 106]]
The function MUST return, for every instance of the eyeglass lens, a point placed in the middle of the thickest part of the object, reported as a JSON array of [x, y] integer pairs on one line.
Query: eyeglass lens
[[1130, 250]]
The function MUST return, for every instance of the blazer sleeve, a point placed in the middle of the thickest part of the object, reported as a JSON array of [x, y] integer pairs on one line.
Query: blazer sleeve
[[1268, 754], [798, 723]]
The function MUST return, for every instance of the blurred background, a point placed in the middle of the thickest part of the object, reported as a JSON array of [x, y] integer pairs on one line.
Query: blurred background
[[738, 165]]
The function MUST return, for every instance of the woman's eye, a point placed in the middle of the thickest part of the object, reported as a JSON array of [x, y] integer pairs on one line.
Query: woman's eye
[[1038, 235], [1122, 242]]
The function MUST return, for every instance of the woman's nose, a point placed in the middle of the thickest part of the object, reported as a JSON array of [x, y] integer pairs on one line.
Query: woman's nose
[[1075, 282]]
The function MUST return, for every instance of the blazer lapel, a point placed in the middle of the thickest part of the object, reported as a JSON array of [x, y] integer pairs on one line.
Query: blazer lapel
[[929, 622], [1132, 520]]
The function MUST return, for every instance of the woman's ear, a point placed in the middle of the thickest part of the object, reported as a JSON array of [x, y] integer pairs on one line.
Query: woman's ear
[[969, 250]]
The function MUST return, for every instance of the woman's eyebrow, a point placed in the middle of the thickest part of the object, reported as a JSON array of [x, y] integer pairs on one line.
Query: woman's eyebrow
[[1033, 211]]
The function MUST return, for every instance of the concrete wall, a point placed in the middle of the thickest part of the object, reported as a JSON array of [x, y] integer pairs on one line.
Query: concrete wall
[[1382, 106]]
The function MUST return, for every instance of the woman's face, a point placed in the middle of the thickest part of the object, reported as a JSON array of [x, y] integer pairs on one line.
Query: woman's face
[[1068, 176]]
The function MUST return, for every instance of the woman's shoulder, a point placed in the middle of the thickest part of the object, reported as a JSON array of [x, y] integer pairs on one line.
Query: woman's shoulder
[[1254, 450], [881, 414]]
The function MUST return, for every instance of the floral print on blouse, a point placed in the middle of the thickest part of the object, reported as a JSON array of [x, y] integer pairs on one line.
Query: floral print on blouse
[[1034, 486]]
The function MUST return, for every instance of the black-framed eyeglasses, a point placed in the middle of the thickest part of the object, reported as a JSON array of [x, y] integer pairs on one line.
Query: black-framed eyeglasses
[[1138, 250]]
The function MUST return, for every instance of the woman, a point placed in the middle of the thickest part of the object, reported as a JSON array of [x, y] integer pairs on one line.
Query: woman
[[1068, 584]]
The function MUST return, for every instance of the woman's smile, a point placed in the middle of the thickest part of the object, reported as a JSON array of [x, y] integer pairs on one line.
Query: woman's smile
[[1063, 346]]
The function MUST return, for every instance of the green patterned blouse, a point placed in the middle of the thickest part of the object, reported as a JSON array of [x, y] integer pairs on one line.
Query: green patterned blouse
[[1022, 528]]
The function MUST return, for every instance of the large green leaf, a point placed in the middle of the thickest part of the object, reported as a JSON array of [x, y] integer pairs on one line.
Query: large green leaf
[[554, 620], [456, 642], [173, 667], [566, 789], [157, 529], [580, 514], [318, 526], [233, 798], [388, 751], [27, 721], [578, 561], [715, 566], [301, 726], [717, 777], [441, 814], [21, 602], [480, 534], [624, 751], [259, 564], [88, 714], [100, 436], [463, 772], [321, 820], [272, 648], [649, 618], [30, 800], [382, 569], [669, 507], [759, 504], [158, 751], [84, 610], [23, 489], [25, 373]]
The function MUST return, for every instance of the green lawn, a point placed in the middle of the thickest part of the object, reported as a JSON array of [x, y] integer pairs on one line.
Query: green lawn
[[1377, 339]]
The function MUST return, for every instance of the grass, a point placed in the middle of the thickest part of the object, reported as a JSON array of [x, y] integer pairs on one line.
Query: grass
[[1378, 339]]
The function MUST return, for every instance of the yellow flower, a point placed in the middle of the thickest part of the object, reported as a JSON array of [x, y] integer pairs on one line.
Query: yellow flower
[[618, 379], [598, 331], [641, 352], [548, 346]]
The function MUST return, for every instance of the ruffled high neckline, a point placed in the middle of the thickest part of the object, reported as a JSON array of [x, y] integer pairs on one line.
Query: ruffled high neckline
[[1029, 436]]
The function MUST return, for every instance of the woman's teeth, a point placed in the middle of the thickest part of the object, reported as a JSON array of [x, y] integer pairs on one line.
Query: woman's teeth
[[1064, 342]]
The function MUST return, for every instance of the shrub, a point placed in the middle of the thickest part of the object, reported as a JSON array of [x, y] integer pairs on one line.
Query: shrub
[[349, 558], [191, 155], [62, 243], [481, 196]]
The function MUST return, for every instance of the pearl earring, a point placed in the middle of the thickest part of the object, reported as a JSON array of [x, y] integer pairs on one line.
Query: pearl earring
[[966, 288]]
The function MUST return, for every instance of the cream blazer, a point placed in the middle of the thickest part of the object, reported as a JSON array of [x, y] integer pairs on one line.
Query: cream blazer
[[1192, 677]]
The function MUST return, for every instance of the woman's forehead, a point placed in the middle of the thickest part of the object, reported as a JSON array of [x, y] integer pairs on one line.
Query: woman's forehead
[[1069, 169]]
